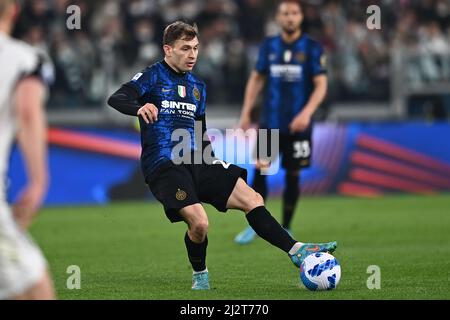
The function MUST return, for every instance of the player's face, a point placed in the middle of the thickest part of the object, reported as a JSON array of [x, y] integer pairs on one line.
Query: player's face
[[183, 55], [10, 12], [289, 17]]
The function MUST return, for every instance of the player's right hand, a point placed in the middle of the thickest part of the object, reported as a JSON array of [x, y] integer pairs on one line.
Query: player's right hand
[[149, 112], [28, 204], [245, 122]]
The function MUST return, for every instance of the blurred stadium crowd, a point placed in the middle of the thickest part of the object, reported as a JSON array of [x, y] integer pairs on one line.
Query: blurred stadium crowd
[[119, 37]]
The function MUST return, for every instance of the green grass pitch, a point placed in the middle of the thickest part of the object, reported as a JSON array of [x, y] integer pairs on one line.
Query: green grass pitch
[[131, 251]]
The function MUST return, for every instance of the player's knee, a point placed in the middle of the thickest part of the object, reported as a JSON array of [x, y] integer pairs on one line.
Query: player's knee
[[259, 200], [255, 200], [200, 229]]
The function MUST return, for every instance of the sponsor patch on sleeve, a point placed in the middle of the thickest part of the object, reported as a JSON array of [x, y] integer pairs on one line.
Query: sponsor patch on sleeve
[[137, 76]]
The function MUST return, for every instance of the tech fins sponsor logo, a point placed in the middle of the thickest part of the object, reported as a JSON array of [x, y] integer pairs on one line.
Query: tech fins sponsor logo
[[178, 105], [178, 108], [288, 72]]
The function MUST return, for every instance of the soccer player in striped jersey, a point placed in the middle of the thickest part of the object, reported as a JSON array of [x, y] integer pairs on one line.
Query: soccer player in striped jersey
[[292, 66], [167, 97]]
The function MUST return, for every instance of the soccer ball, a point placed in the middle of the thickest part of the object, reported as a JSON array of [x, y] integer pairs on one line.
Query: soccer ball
[[320, 271]]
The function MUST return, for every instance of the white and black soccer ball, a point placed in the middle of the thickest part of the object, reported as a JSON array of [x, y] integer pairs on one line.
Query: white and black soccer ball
[[320, 271]]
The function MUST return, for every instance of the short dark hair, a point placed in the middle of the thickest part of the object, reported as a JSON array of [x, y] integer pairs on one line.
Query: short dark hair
[[179, 30], [297, 2]]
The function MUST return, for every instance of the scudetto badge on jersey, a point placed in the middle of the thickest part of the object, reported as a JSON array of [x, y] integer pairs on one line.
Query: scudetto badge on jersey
[[182, 91], [287, 56]]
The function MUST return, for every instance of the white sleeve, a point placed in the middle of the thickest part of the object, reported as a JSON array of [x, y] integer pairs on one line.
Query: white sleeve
[[35, 63], [30, 61]]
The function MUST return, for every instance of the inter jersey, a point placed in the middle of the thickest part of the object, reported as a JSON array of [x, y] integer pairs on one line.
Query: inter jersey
[[180, 99], [290, 69]]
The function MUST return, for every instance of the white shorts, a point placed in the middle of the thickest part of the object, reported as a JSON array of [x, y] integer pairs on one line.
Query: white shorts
[[22, 264]]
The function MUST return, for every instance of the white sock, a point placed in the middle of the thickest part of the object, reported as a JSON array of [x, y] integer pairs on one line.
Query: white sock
[[295, 248], [197, 272]]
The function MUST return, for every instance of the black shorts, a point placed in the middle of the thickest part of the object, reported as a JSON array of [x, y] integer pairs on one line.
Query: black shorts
[[295, 150], [179, 186]]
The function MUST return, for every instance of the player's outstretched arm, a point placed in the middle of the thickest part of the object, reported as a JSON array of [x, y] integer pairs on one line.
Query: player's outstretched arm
[[254, 87], [125, 100], [32, 138]]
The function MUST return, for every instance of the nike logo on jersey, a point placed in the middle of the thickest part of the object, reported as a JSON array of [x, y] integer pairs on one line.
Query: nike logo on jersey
[[166, 90]]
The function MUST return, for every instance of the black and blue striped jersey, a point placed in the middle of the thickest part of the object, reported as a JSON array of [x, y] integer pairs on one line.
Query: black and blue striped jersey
[[290, 69], [180, 99]]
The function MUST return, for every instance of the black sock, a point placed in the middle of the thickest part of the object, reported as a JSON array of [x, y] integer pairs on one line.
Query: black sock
[[269, 229], [260, 184], [196, 253], [290, 198]]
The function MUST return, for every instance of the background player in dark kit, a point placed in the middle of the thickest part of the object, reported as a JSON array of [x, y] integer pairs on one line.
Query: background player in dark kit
[[293, 67], [167, 97]]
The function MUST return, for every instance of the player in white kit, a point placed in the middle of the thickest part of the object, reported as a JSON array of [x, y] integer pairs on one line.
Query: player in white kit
[[23, 269]]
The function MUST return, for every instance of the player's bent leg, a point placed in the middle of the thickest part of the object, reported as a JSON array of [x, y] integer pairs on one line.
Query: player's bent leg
[[23, 269], [196, 241], [197, 220], [246, 199]]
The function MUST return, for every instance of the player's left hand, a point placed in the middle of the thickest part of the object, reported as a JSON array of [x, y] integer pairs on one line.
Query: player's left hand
[[30, 200], [300, 123]]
